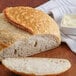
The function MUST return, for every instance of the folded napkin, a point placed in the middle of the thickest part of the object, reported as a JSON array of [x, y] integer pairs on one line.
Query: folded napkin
[[58, 13], [59, 8]]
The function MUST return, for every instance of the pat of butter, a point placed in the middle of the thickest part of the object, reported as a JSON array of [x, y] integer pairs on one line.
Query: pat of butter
[[68, 24], [69, 20]]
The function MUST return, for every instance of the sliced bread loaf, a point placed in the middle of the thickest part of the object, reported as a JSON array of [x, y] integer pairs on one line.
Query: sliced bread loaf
[[45, 33], [37, 66]]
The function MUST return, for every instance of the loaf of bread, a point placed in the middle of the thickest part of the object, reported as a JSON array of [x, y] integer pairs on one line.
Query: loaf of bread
[[40, 32], [37, 66]]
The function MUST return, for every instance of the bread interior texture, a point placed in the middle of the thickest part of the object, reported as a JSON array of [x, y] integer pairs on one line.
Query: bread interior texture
[[33, 45]]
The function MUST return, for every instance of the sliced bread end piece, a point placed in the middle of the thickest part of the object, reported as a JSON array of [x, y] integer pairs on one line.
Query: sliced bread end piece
[[37, 66]]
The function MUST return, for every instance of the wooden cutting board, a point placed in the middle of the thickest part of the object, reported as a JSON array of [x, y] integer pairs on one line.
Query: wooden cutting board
[[62, 51]]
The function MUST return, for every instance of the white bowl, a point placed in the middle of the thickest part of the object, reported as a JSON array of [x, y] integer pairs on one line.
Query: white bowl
[[68, 24]]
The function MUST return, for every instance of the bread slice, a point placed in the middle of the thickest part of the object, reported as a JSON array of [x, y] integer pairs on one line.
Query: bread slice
[[37, 66], [44, 37]]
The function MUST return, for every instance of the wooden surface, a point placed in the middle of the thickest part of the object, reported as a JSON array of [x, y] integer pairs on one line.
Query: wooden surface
[[61, 52]]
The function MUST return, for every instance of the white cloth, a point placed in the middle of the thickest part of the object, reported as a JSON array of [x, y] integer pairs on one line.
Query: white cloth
[[59, 8], [46, 7], [66, 2], [58, 13]]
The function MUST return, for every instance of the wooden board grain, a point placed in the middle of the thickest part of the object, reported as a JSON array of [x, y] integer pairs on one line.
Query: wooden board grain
[[62, 51]]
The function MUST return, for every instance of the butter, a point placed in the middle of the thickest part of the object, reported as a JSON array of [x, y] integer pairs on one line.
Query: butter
[[69, 20], [68, 24]]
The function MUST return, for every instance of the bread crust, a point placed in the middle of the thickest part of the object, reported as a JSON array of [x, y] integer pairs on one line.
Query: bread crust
[[32, 20], [18, 25], [2, 46]]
